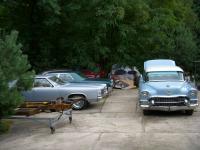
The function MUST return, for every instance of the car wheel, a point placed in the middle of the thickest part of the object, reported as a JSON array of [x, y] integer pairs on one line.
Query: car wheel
[[189, 112], [80, 104]]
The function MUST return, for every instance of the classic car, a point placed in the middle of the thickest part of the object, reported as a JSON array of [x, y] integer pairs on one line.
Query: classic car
[[163, 87], [75, 77], [49, 88]]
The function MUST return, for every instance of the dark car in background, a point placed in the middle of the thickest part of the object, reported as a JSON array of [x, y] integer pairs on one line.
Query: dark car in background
[[96, 72], [94, 75], [76, 77]]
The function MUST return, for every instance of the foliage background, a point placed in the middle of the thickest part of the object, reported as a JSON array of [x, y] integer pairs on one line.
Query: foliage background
[[76, 34], [82, 33]]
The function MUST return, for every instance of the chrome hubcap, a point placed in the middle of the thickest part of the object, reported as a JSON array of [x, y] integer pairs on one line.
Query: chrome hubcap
[[78, 105]]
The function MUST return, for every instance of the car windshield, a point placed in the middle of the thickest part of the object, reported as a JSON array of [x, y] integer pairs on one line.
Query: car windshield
[[165, 76], [57, 80]]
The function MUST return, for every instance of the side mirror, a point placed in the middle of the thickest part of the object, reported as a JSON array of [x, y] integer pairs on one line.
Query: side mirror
[[187, 78]]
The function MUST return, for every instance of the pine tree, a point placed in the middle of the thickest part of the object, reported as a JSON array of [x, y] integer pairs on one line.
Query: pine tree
[[15, 74]]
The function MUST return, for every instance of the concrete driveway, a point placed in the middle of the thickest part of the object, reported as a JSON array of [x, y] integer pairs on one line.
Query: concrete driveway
[[115, 123]]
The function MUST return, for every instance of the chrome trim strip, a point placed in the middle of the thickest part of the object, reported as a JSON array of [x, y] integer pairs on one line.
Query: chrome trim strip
[[168, 108], [167, 96]]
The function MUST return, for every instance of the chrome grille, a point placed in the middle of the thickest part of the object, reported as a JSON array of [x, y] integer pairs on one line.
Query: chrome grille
[[102, 91], [168, 101]]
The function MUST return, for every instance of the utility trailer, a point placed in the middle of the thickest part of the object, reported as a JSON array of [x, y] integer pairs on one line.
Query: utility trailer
[[32, 111]]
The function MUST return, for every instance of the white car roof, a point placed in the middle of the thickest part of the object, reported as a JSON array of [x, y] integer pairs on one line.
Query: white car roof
[[158, 62], [163, 68]]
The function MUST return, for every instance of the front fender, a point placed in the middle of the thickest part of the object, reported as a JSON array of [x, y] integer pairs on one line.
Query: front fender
[[76, 94]]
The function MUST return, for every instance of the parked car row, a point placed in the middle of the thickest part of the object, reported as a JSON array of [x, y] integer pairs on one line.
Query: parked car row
[[163, 86], [53, 84]]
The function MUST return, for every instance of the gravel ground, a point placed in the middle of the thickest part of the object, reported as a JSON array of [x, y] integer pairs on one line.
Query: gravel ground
[[115, 123]]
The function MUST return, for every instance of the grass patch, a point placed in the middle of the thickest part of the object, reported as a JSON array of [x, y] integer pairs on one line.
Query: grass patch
[[5, 126]]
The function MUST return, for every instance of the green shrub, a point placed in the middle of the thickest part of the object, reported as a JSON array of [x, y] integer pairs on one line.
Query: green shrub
[[14, 66], [5, 126]]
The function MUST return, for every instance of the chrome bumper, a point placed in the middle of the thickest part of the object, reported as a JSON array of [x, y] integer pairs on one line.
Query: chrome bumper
[[169, 108], [99, 97]]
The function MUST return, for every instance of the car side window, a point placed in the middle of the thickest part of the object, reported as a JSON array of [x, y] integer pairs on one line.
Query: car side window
[[42, 83], [66, 77]]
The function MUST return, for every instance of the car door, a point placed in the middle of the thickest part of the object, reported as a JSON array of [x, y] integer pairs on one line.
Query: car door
[[43, 90]]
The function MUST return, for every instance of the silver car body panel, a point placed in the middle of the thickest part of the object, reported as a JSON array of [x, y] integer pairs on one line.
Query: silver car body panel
[[70, 78], [54, 90]]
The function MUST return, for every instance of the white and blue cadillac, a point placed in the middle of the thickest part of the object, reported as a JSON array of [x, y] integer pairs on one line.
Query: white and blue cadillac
[[163, 87]]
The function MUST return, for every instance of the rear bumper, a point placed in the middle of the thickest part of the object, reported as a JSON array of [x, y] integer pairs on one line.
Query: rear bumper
[[169, 108]]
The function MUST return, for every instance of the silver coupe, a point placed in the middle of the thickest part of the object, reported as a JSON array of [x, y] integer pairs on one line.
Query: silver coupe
[[49, 88]]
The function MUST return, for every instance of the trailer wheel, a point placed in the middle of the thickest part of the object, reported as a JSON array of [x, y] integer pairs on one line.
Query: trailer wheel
[[52, 130], [70, 120]]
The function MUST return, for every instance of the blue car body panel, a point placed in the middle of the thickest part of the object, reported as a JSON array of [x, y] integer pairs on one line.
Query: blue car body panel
[[163, 87]]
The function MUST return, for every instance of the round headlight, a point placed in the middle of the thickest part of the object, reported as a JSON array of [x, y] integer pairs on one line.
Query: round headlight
[[193, 93], [145, 93], [105, 90], [99, 92]]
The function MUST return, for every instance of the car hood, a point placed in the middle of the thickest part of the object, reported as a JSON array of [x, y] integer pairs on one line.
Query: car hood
[[91, 82], [98, 80], [83, 85], [167, 88]]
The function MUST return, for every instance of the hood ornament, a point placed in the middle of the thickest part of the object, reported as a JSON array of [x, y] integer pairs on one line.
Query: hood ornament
[[168, 93]]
